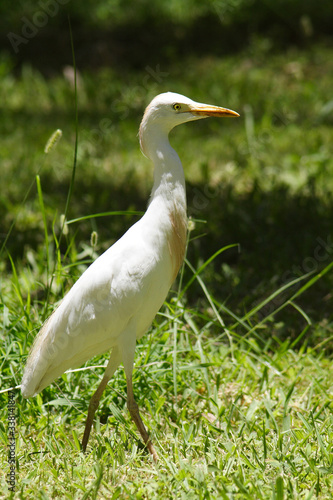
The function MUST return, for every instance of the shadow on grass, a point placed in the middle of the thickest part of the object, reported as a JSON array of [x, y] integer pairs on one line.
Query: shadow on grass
[[281, 237]]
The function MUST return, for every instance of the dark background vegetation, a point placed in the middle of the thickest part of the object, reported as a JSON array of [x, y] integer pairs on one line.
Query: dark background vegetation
[[256, 43], [130, 33]]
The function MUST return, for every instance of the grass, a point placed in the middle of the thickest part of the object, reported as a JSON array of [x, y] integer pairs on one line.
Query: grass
[[251, 420], [234, 378]]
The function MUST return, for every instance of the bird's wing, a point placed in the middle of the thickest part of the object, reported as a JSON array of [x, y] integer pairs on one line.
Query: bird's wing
[[97, 309]]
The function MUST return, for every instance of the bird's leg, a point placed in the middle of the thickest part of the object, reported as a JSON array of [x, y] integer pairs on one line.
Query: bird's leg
[[113, 364], [127, 348], [135, 414]]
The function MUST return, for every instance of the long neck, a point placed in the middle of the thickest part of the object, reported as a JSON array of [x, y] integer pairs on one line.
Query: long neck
[[168, 196], [169, 179]]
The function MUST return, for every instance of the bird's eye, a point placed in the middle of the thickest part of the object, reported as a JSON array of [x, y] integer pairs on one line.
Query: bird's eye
[[177, 106]]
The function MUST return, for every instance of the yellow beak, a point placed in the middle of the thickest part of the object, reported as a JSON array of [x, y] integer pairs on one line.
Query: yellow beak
[[207, 110]]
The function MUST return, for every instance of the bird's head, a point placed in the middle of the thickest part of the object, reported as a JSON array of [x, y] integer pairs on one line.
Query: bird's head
[[168, 110]]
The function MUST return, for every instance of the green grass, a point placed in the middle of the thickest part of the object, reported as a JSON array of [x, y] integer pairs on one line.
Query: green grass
[[247, 420], [234, 379]]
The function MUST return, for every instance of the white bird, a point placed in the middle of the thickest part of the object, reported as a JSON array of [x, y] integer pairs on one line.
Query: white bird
[[116, 299]]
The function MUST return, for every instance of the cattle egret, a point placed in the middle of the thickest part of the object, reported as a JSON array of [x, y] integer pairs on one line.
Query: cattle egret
[[116, 299]]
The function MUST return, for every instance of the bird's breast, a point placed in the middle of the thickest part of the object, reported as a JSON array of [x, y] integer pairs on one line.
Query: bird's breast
[[177, 239]]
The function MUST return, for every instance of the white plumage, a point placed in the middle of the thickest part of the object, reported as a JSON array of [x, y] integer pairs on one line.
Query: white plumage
[[115, 300]]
